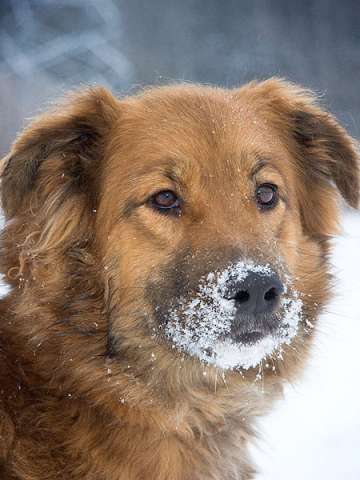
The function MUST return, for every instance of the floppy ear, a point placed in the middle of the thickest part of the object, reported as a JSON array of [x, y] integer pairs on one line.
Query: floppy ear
[[49, 182], [326, 158], [59, 153]]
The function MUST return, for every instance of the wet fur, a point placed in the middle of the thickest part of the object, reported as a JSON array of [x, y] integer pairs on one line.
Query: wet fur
[[81, 396]]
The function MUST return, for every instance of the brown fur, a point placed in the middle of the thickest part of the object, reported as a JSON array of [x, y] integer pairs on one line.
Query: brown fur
[[86, 391]]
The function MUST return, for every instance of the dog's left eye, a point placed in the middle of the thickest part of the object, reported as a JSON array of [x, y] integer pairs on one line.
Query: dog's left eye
[[266, 196], [165, 201]]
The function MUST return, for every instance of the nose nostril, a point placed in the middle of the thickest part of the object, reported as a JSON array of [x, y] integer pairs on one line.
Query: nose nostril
[[242, 296], [271, 294], [254, 296]]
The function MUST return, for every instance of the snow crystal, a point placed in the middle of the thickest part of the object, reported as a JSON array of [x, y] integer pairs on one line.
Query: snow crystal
[[200, 327]]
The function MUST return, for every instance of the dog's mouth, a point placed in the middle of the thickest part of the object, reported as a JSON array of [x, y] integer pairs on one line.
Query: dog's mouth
[[248, 338], [228, 350], [250, 329], [209, 327]]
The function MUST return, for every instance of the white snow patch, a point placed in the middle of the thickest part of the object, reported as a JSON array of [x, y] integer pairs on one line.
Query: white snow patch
[[4, 287], [200, 327]]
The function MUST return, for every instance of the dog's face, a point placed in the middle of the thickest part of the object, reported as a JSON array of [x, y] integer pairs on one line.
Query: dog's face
[[204, 230], [206, 243], [208, 213]]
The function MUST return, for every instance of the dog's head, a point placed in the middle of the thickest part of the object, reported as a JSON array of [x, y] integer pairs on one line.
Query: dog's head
[[180, 227]]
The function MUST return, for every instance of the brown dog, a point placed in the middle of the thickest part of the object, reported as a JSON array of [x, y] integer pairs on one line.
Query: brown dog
[[168, 257]]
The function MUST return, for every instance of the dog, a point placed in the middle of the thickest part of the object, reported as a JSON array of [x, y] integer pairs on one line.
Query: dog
[[167, 255]]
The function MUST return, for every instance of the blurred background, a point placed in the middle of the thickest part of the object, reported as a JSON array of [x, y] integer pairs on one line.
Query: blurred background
[[49, 46]]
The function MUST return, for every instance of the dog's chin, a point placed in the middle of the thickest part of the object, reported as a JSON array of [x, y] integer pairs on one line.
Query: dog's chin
[[227, 344]]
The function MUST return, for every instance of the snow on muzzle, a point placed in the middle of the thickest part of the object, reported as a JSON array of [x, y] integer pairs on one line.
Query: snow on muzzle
[[234, 321]]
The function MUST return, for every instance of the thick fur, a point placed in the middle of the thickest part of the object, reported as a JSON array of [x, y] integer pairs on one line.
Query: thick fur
[[87, 390]]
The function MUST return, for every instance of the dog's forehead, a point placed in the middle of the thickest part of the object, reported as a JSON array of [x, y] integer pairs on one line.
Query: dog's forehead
[[209, 129]]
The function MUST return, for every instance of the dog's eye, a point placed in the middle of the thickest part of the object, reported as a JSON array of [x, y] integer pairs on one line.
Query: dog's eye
[[266, 196], [165, 201]]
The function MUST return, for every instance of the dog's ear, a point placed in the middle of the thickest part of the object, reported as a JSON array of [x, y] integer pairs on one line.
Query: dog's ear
[[50, 184], [326, 158], [58, 153]]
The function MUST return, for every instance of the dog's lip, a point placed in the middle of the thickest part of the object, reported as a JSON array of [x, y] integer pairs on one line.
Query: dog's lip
[[248, 338]]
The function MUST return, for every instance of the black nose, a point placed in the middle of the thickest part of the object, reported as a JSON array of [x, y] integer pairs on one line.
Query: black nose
[[257, 293], [256, 299]]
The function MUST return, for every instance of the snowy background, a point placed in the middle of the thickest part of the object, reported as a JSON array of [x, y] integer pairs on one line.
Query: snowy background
[[47, 47], [314, 433]]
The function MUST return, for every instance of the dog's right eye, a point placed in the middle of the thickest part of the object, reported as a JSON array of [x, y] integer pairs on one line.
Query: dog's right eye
[[165, 201], [266, 196]]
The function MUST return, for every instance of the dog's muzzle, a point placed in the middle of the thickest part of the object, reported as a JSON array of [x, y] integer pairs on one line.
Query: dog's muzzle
[[236, 317]]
